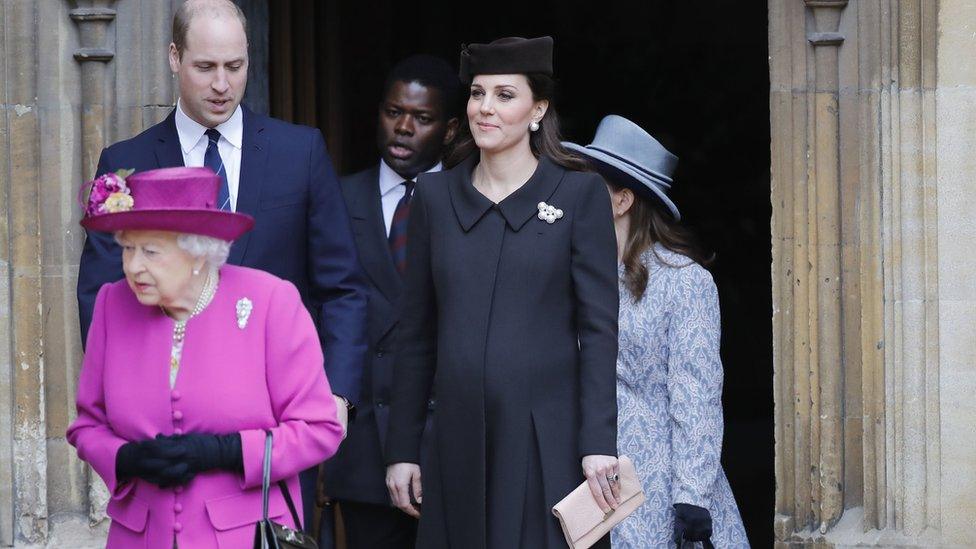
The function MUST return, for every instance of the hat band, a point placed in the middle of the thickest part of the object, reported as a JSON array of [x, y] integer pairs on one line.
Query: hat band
[[656, 177]]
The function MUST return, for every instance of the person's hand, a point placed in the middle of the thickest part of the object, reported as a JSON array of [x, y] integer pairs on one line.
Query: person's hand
[[691, 523], [150, 460], [603, 477], [342, 413], [403, 481], [204, 452]]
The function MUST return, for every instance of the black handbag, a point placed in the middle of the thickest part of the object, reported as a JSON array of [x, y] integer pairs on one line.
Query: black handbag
[[269, 534]]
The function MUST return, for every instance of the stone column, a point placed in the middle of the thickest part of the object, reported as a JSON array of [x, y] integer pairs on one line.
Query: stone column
[[859, 240], [97, 49]]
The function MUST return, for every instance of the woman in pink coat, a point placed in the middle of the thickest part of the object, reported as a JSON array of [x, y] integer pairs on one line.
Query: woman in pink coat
[[189, 363]]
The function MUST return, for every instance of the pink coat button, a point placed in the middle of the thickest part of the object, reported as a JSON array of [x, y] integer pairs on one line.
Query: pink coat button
[[178, 508], [175, 395], [178, 527], [177, 432], [177, 415]]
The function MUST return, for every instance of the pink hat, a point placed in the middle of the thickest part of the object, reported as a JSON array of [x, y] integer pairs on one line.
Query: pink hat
[[181, 200]]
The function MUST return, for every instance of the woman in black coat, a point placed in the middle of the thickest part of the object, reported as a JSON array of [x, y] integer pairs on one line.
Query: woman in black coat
[[510, 313]]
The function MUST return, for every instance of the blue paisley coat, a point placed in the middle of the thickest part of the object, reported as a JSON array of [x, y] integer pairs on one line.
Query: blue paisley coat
[[669, 400]]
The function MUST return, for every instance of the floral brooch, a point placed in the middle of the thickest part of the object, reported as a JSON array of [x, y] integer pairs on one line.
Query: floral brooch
[[549, 213], [107, 194]]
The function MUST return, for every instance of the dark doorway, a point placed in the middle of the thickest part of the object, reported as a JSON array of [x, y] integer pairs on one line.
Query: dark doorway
[[695, 75]]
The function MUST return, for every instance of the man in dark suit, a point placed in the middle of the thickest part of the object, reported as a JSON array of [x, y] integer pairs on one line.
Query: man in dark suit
[[277, 172], [417, 120]]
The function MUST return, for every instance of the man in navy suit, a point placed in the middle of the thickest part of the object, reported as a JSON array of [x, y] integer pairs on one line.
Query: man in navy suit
[[417, 120], [277, 172]]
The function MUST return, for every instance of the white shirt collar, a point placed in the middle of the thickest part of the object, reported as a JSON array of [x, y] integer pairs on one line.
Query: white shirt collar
[[389, 179], [191, 131]]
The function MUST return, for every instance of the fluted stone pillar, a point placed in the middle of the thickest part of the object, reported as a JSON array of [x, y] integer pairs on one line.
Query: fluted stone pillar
[[873, 112]]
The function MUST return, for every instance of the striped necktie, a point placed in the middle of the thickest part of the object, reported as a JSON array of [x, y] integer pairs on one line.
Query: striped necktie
[[398, 229], [212, 160]]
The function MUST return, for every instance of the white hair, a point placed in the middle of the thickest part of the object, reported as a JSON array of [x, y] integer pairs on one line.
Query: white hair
[[213, 250]]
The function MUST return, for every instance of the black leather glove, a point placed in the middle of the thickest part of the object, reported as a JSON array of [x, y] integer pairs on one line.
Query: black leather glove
[[203, 453], [149, 460], [691, 523]]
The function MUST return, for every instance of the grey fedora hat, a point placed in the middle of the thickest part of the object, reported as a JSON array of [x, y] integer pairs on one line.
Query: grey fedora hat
[[624, 152]]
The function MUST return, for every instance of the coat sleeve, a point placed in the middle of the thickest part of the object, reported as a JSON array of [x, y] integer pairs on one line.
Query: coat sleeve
[[338, 287], [594, 273], [307, 431], [91, 433], [416, 357], [694, 386], [100, 263]]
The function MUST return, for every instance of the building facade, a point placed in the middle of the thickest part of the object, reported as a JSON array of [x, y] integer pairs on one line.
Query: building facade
[[873, 117]]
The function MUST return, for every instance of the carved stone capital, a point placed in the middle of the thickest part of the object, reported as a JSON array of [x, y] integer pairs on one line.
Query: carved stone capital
[[826, 17], [92, 24]]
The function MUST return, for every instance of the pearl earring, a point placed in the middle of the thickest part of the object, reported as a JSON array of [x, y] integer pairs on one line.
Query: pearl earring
[[534, 126], [196, 272]]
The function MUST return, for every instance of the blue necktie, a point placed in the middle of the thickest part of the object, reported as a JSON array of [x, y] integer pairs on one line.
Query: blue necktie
[[213, 161]]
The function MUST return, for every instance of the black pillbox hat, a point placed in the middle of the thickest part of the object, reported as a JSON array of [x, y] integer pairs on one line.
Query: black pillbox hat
[[511, 55]]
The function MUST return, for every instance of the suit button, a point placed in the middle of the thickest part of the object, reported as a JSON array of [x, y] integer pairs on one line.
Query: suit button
[[381, 404], [175, 395], [178, 527], [379, 354], [178, 508], [177, 415]]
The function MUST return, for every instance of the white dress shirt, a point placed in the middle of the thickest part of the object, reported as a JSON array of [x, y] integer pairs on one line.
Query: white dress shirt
[[391, 190], [193, 143]]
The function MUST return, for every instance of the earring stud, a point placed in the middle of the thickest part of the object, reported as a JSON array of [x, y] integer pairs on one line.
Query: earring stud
[[534, 126]]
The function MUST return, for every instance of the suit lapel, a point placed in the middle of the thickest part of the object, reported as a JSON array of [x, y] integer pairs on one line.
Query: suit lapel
[[374, 250], [254, 154], [167, 150]]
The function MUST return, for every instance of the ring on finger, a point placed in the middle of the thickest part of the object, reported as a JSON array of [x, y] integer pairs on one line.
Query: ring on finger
[[612, 479]]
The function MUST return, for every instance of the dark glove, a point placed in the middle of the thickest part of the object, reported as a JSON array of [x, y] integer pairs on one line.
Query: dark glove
[[691, 523], [149, 460], [203, 453]]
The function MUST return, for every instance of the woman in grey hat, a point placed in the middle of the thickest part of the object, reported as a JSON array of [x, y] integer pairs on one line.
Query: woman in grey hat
[[669, 373]]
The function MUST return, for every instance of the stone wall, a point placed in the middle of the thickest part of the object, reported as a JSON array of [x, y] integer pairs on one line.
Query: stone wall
[[873, 117], [873, 112]]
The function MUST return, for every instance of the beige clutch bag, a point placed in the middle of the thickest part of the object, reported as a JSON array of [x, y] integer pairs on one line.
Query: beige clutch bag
[[581, 519]]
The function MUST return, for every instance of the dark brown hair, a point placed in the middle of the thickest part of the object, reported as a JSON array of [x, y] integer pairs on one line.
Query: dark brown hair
[[188, 10], [546, 141], [649, 225]]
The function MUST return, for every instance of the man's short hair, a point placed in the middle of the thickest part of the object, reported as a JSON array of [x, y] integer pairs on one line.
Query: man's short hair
[[432, 72], [190, 9]]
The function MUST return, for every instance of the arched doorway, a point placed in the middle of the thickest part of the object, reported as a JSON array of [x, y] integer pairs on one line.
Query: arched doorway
[[696, 77]]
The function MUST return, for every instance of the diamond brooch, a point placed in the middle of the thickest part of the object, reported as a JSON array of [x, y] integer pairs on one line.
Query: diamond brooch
[[244, 307]]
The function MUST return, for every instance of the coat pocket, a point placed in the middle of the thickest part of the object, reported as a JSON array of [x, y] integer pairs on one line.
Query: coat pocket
[[234, 517], [128, 512]]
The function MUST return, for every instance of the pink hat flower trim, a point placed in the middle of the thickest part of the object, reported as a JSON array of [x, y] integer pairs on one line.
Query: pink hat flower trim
[[108, 193]]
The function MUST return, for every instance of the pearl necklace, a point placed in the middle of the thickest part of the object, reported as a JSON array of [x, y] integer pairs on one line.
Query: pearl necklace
[[179, 327], [206, 295]]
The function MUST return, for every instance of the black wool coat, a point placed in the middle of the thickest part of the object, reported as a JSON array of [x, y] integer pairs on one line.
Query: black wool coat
[[514, 321]]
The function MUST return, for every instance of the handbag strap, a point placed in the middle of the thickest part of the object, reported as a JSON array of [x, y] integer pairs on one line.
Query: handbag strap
[[266, 485]]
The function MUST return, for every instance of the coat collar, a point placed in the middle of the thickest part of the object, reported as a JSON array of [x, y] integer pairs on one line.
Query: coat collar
[[517, 208], [374, 249]]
